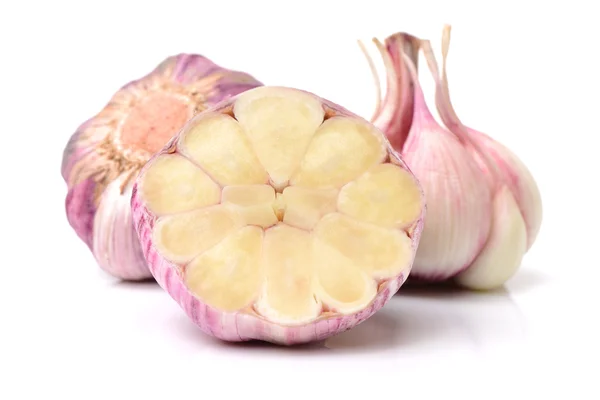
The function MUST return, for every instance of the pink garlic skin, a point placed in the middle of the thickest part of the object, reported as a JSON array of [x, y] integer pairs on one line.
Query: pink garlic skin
[[494, 192], [519, 180], [503, 252], [242, 326], [115, 245], [79, 205], [430, 148], [394, 113]]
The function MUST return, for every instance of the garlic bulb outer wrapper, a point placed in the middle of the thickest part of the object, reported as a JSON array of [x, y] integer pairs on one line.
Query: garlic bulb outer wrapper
[[502, 254], [112, 147], [458, 199], [393, 113], [519, 179]]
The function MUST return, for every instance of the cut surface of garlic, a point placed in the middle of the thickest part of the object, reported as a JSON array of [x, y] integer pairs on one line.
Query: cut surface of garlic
[[106, 153], [281, 219]]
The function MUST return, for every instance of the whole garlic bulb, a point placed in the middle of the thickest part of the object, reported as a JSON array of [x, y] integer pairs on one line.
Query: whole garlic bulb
[[105, 154], [484, 208]]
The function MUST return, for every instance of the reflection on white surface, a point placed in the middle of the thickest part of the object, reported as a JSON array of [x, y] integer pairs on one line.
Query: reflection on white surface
[[432, 318]]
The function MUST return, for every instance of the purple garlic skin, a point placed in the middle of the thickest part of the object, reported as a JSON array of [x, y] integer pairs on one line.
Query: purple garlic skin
[[105, 154]]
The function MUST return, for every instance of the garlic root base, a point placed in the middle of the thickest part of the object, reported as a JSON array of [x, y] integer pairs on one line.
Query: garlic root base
[[279, 218]]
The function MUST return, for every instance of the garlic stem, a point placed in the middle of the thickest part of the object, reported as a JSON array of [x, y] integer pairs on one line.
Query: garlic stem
[[107, 152], [394, 113], [448, 114], [375, 76]]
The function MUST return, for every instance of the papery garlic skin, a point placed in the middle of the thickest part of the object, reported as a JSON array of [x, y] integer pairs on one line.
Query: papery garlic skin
[[314, 190], [100, 162], [519, 179], [456, 226], [393, 113], [499, 163], [115, 243], [496, 191], [501, 256]]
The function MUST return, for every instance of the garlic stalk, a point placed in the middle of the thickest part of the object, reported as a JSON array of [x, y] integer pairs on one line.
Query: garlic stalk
[[393, 114], [278, 216], [483, 206], [104, 155]]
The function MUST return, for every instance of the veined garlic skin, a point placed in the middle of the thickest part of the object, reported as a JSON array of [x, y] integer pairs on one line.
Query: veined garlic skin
[[518, 178], [495, 159], [480, 196], [393, 114], [456, 226], [106, 152], [305, 221]]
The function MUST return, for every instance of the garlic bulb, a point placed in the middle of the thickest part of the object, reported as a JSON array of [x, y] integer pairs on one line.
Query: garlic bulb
[[278, 216], [483, 205], [106, 152]]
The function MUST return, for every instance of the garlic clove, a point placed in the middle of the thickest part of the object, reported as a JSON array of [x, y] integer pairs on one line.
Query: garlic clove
[[80, 210], [519, 179], [458, 204], [501, 256], [506, 165], [112, 147], [458, 197], [393, 113], [276, 259], [114, 242]]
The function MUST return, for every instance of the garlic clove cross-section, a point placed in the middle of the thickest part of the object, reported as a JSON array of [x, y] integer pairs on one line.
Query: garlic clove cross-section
[[106, 153], [278, 216]]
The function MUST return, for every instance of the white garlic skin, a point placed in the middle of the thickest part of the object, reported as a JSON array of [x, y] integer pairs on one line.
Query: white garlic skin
[[519, 180]]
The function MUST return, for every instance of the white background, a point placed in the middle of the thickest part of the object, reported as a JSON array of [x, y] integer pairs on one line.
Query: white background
[[525, 72]]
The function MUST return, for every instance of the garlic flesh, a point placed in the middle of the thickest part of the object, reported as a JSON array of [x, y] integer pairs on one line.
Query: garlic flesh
[[105, 154], [278, 216]]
